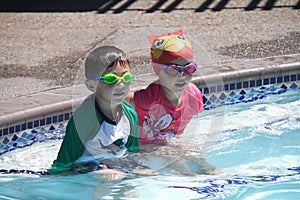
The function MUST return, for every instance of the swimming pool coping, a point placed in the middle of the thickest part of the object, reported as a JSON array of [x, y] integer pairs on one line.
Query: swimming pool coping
[[57, 105]]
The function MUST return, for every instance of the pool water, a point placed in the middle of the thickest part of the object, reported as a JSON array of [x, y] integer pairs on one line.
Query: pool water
[[254, 146]]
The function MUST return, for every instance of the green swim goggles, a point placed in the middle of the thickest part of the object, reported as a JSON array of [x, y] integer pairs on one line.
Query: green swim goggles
[[111, 78]]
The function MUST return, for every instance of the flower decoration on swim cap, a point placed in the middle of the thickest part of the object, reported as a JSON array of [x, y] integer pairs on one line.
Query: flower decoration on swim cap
[[169, 47]]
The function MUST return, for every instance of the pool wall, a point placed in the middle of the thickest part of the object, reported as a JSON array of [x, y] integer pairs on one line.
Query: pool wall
[[220, 85]]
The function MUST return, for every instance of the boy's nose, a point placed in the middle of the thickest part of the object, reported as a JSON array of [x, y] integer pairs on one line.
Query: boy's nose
[[120, 83]]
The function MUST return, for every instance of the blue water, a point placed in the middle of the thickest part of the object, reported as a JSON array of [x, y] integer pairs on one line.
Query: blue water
[[254, 146]]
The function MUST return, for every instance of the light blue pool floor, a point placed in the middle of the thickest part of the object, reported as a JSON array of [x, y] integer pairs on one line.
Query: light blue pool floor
[[258, 174]]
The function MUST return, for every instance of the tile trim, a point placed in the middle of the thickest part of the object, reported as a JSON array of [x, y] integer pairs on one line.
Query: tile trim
[[229, 79]]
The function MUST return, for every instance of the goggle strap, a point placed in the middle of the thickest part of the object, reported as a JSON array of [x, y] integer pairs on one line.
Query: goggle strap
[[93, 79], [163, 66]]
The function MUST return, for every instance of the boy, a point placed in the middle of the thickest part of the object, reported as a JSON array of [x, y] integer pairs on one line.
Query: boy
[[104, 125], [166, 106]]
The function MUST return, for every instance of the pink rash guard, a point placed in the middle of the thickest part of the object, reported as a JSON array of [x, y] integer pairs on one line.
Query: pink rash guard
[[159, 119]]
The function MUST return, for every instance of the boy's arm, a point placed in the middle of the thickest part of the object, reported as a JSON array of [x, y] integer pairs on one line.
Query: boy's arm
[[71, 149]]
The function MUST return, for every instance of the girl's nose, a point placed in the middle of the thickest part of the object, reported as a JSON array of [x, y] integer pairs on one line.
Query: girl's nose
[[182, 74]]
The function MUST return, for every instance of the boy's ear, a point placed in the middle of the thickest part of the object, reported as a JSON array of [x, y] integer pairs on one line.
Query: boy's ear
[[91, 85]]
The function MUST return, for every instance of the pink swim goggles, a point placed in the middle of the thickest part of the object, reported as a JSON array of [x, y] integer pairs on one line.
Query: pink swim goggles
[[173, 69]]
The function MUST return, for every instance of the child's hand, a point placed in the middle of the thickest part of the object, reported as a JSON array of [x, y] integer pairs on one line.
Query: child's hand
[[110, 174], [103, 166], [144, 172]]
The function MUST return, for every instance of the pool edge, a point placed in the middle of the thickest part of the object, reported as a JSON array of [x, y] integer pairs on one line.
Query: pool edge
[[55, 106]]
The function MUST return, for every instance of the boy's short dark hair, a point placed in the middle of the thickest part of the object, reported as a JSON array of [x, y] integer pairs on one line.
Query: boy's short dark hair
[[102, 58]]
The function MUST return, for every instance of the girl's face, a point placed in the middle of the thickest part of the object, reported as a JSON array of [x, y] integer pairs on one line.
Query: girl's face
[[176, 82], [113, 94]]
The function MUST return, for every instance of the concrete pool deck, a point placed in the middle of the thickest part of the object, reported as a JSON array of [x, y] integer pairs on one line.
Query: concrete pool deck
[[41, 51]]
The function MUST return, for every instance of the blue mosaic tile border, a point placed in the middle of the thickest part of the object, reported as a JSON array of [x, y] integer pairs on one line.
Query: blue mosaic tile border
[[243, 96], [251, 84], [34, 124], [29, 137], [56, 124], [213, 97], [36, 131]]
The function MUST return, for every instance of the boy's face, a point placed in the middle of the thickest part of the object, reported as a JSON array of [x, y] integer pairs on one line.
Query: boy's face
[[113, 93], [178, 81]]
